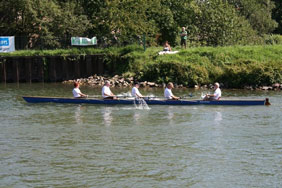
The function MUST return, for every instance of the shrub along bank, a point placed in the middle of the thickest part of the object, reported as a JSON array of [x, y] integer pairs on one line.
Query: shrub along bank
[[234, 66]]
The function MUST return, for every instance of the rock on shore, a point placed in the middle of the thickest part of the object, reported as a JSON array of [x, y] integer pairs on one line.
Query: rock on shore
[[120, 81], [116, 81]]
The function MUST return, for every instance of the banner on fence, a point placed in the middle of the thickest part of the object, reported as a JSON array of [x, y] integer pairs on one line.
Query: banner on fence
[[83, 41], [7, 44]]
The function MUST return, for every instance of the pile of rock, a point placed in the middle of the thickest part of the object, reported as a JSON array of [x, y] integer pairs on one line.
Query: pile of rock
[[116, 81], [276, 86], [119, 81]]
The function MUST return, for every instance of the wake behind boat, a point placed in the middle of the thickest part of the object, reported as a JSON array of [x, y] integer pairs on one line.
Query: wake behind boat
[[148, 100]]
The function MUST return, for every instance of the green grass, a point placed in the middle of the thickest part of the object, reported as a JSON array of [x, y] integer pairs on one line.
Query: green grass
[[230, 53], [56, 52], [235, 66]]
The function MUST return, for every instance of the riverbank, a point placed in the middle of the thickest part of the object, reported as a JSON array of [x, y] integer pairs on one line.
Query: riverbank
[[122, 82], [234, 66]]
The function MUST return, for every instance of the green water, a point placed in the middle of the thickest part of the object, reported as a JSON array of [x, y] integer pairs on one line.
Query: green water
[[69, 145]]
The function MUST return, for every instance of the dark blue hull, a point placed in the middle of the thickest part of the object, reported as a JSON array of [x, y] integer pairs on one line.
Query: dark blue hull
[[149, 102]]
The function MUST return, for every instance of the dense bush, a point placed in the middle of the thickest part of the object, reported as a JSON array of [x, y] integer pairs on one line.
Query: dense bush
[[181, 73], [272, 39], [236, 66], [252, 73]]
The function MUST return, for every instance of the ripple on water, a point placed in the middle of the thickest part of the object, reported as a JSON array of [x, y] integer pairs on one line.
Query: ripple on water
[[63, 145]]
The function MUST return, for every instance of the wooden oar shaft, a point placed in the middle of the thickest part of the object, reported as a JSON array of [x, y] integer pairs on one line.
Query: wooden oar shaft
[[145, 97], [100, 96]]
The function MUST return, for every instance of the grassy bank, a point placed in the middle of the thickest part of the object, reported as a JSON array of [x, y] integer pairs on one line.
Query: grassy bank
[[235, 66]]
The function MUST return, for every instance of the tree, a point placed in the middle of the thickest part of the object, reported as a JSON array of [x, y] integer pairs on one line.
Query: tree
[[41, 21], [258, 13], [161, 15], [172, 16], [277, 15], [209, 22], [19, 20], [119, 21], [218, 23]]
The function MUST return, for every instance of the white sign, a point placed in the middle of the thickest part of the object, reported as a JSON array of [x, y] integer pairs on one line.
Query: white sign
[[83, 41], [7, 44]]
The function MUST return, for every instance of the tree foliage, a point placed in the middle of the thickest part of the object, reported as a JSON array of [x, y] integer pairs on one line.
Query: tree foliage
[[258, 13], [218, 23], [42, 20], [209, 22], [277, 15]]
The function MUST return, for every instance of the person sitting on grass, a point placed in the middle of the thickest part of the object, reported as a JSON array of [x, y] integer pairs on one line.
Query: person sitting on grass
[[167, 47], [168, 93], [106, 91], [76, 91], [215, 96]]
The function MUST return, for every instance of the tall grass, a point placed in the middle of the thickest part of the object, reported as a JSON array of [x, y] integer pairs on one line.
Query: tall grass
[[234, 66]]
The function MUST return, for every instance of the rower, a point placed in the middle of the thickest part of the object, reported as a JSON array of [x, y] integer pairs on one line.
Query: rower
[[106, 92], [215, 96], [76, 91], [135, 92], [168, 93]]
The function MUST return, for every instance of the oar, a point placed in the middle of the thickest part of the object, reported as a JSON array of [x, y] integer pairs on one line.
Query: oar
[[123, 96], [190, 95], [147, 98], [94, 96], [99, 96]]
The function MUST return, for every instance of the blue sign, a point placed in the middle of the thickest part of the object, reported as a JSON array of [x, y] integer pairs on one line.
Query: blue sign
[[7, 44], [4, 41]]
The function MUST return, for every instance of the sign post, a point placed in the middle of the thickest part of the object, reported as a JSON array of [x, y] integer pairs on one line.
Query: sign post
[[83, 41], [7, 44]]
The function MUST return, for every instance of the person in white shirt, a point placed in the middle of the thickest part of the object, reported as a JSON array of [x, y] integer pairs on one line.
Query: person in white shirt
[[216, 95], [168, 93], [106, 92], [167, 47], [135, 92], [76, 91]]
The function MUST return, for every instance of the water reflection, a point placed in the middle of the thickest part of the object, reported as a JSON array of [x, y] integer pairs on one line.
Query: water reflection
[[137, 117], [170, 115], [107, 116], [77, 114], [218, 117], [217, 133]]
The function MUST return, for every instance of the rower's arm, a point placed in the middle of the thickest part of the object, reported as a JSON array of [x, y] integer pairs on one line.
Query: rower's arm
[[211, 95], [83, 95], [174, 97], [109, 95]]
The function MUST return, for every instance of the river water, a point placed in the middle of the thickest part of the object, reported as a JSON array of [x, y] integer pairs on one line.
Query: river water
[[70, 145]]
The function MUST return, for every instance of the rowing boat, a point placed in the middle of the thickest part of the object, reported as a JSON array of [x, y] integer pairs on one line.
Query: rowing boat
[[149, 101]]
